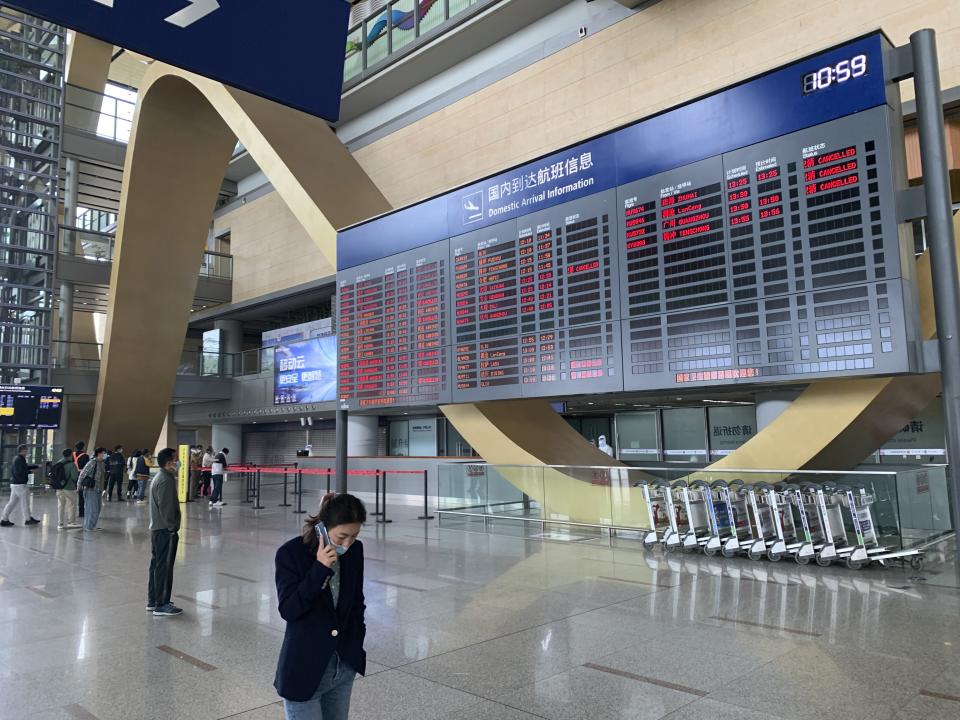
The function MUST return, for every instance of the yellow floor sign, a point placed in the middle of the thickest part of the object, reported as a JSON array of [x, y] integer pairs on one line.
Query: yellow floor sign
[[183, 474]]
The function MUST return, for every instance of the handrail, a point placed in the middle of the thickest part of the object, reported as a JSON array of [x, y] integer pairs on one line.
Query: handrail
[[100, 246], [661, 468]]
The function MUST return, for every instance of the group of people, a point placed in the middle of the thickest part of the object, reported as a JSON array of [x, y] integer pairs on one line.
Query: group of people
[[207, 473], [319, 574], [82, 480]]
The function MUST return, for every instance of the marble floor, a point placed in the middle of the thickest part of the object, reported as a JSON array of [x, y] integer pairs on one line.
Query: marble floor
[[468, 626]]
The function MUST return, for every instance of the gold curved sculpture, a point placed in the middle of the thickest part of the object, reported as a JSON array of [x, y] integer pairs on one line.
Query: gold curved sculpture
[[183, 136]]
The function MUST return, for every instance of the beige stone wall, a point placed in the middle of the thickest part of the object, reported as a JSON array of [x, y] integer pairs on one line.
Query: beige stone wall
[[271, 250], [662, 56], [658, 58]]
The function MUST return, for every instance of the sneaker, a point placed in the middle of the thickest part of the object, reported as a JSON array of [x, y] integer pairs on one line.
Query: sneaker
[[32, 521], [61, 527], [168, 610], [211, 503], [74, 526], [151, 608], [6, 523]]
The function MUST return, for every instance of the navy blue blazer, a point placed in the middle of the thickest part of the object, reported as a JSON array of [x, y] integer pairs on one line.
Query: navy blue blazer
[[315, 628]]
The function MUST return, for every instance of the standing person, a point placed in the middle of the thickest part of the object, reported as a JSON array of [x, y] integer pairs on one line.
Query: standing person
[[92, 481], [132, 474], [218, 468], [320, 590], [142, 473], [164, 535], [63, 479], [19, 492], [80, 459], [206, 475], [196, 455], [115, 470]]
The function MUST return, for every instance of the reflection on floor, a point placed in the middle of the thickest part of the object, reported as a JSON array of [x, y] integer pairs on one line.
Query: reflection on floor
[[468, 626]]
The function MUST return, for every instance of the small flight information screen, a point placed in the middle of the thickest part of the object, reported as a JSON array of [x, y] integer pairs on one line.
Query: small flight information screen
[[30, 406]]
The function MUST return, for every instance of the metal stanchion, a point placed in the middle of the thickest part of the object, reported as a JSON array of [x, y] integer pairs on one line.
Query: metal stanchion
[[329, 475], [248, 486], [426, 509], [258, 506], [382, 475], [299, 510], [284, 503], [376, 496]]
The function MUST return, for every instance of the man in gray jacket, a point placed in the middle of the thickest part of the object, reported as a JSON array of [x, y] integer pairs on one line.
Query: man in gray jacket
[[164, 529]]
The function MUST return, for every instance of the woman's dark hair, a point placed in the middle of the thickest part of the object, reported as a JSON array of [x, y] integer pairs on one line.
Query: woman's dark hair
[[334, 510], [137, 453]]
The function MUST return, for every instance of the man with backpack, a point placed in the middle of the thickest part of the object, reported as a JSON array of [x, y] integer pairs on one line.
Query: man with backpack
[[116, 464], [62, 477]]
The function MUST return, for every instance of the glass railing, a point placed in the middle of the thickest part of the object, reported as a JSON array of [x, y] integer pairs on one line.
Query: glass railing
[[903, 508], [86, 356], [86, 244], [98, 247], [98, 114], [394, 28]]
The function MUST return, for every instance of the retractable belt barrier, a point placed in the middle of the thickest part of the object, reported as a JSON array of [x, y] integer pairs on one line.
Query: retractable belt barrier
[[252, 475]]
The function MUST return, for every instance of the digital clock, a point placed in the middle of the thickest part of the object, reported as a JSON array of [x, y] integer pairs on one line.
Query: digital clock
[[835, 74]]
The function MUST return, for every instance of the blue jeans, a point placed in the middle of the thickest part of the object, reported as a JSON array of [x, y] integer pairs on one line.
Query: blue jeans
[[217, 495], [332, 699], [91, 504]]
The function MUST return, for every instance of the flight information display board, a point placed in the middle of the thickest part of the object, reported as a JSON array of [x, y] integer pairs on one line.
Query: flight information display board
[[30, 406], [706, 245], [535, 304], [393, 343]]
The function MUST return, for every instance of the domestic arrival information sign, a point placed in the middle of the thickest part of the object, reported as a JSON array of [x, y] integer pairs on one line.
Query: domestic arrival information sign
[[702, 246]]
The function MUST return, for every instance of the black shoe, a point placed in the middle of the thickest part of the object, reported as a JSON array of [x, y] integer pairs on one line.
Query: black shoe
[[32, 521], [6, 523]]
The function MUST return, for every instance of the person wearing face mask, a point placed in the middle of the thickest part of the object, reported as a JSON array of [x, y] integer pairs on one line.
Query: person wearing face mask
[[319, 579], [164, 534]]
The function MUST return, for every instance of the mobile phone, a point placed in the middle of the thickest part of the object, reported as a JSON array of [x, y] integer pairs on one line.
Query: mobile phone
[[322, 535]]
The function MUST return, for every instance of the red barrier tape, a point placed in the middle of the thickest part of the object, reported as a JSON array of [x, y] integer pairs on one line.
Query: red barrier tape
[[312, 471]]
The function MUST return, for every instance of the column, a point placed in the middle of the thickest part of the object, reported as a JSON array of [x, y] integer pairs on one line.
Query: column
[[771, 404], [362, 435], [229, 436], [65, 332], [231, 336], [70, 241]]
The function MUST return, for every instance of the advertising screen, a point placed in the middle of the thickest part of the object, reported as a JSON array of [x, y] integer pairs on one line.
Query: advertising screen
[[305, 372], [30, 406]]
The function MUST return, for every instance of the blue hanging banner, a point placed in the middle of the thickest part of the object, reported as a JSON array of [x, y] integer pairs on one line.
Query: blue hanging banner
[[289, 52]]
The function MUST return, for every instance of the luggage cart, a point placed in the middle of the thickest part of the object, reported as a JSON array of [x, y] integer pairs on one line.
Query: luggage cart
[[713, 542], [764, 531], [803, 550], [650, 538], [665, 510], [697, 522], [741, 526], [770, 538]]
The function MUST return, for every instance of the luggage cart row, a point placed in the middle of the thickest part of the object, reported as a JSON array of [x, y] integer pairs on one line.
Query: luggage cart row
[[805, 521]]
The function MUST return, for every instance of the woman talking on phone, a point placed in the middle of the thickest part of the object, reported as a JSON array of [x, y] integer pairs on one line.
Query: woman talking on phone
[[320, 588]]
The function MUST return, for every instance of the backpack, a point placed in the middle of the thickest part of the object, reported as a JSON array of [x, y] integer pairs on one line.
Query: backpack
[[57, 476], [88, 478]]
